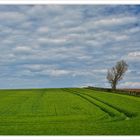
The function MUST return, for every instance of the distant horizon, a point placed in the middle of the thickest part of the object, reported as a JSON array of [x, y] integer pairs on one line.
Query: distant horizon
[[68, 45], [57, 88]]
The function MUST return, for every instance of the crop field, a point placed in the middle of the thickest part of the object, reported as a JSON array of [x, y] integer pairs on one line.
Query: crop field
[[68, 111]]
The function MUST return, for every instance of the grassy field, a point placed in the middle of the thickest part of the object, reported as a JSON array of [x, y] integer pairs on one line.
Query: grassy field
[[69, 111]]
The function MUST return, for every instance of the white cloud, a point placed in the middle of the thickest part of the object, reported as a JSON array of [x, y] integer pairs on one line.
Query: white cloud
[[38, 67], [116, 21], [58, 72], [55, 70], [130, 85], [52, 40], [12, 17], [111, 21], [134, 54], [22, 49], [43, 29], [133, 30]]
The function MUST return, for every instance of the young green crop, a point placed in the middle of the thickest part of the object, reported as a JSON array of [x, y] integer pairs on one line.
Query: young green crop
[[71, 111]]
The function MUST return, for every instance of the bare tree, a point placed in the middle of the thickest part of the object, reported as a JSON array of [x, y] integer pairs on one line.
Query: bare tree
[[116, 73]]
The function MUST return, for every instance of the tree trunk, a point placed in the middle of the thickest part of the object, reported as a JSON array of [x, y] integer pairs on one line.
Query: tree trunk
[[114, 86]]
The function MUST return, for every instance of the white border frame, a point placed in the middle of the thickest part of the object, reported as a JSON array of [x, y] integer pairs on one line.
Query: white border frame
[[70, 2]]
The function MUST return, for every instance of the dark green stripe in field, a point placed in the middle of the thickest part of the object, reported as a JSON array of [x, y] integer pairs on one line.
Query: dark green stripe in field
[[70, 111]]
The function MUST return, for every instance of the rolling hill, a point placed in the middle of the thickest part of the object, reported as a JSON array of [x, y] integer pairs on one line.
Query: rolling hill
[[68, 111]]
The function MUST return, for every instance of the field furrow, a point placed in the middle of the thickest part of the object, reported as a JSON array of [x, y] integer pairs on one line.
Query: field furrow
[[108, 109], [125, 113], [121, 107]]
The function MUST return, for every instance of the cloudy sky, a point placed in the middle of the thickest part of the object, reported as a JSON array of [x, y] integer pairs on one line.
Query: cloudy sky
[[67, 46]]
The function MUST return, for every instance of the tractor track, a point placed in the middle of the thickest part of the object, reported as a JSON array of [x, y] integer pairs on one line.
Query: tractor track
[[101, 108], [37, 102], [125, 115], [125, 112]]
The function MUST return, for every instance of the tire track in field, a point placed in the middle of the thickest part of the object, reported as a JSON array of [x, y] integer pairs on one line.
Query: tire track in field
[[37, 101], [126, 113], [92, 102], [101, 105]]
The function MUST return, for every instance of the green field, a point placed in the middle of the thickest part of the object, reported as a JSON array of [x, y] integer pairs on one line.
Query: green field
[[69, 111]]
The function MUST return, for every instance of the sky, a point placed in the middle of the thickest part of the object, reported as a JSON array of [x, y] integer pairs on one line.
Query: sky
[[44, 46]]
